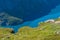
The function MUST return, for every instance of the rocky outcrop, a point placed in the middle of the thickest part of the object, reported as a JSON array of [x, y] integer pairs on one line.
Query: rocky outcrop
[[7, 20]]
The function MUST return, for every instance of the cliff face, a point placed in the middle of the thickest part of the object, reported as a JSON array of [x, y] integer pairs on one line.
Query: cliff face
[[28, 9]]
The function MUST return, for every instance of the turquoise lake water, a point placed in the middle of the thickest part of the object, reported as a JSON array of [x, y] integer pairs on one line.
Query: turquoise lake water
[[55, 13], [34, 23]]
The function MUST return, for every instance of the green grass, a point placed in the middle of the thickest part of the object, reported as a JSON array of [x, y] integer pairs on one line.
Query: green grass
[[44, 31]]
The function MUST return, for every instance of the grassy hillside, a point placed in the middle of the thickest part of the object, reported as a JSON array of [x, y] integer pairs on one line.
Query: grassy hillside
[[45, 31]]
